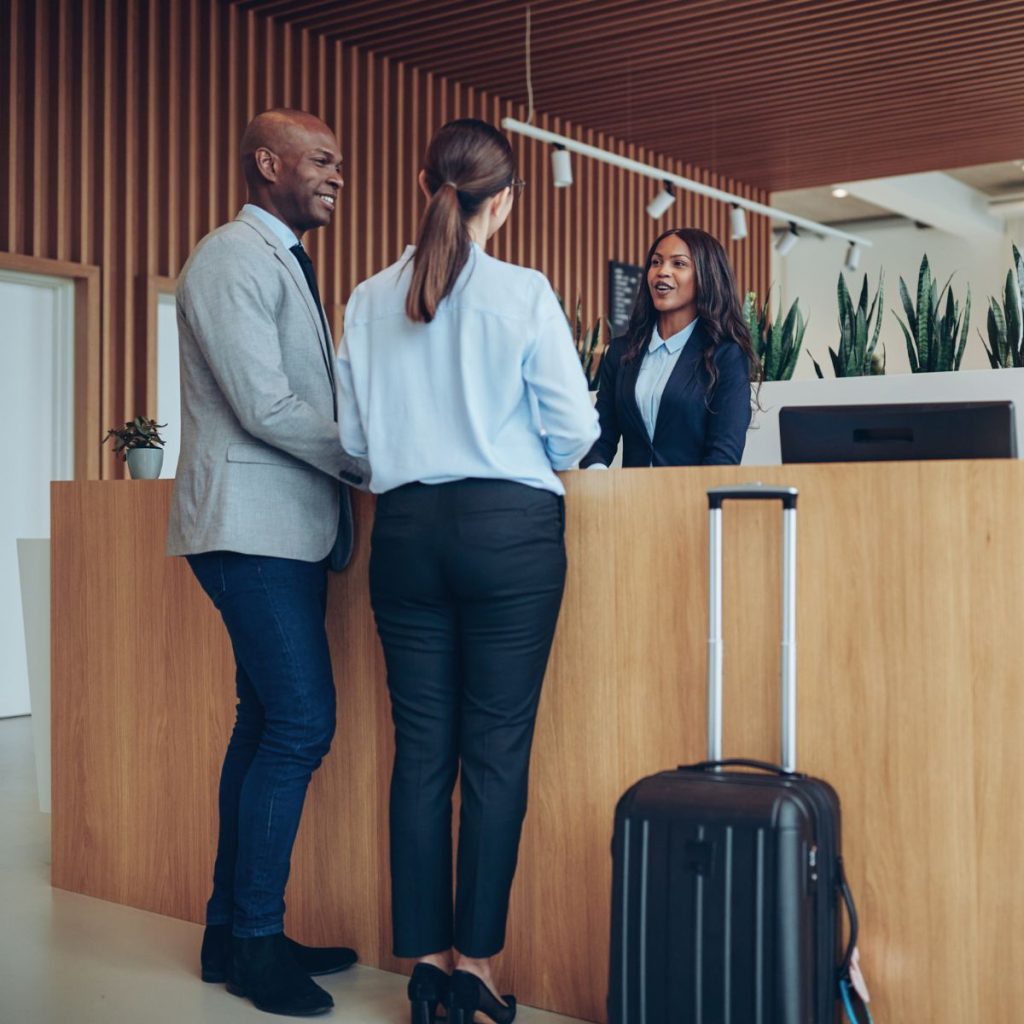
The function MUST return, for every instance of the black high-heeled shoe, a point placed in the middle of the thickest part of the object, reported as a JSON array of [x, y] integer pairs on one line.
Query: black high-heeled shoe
[[470, 996], [428, 989]]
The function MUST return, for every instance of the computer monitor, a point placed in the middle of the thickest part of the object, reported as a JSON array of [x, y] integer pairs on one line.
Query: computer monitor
[[879, 433]]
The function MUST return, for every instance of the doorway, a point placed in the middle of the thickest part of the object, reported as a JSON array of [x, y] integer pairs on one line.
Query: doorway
[[37, 420]]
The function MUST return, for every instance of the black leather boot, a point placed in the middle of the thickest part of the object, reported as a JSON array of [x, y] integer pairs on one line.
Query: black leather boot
[[264, 970], [215, 956]]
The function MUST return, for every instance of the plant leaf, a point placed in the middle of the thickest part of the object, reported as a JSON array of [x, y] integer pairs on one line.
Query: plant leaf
[[911, 350], [926, 303], [963, 333]]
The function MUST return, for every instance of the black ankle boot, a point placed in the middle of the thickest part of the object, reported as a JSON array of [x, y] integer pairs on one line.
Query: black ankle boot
[[428, 988], [215, 956], [264, 970], [469, 996]]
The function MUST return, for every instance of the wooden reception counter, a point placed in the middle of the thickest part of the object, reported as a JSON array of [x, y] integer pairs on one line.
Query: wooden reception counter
[[911, 617]]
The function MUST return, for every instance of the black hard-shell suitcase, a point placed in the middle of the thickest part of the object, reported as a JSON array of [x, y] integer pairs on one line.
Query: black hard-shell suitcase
[[727, 884]]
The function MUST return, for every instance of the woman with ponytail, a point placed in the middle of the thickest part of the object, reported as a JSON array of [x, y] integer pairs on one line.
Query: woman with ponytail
[[450, 364], [676, 387]]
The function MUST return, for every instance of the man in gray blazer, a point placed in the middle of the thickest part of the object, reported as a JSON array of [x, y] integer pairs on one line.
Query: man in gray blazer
[[260, 509]]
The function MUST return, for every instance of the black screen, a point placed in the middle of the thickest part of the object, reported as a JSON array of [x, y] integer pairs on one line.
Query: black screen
[[881, 433]]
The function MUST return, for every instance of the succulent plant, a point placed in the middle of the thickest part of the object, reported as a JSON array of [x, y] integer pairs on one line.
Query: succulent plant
[[777, 343], [856, 356], [935, 340], [1005, 346], [137, 433]]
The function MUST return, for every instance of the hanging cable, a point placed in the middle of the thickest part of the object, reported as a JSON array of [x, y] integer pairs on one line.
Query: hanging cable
[[529, 70]]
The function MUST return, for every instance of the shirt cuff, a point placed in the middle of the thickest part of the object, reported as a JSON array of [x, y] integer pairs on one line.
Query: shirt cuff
[[597, 465]]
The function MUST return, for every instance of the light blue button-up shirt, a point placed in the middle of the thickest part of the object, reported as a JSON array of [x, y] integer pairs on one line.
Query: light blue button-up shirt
[[659, 362], [278, 226], [492, 387]]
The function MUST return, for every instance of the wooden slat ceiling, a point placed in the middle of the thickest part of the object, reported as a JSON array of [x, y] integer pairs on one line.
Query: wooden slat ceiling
[[778, 93]]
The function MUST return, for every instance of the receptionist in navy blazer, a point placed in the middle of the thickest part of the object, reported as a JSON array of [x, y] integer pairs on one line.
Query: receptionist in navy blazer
[[676, 387]]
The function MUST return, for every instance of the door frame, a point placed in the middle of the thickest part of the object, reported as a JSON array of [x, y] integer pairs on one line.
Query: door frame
[[88, 388]]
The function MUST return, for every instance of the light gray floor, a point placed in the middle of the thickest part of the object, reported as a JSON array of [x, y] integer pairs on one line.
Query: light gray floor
[[70, 959]]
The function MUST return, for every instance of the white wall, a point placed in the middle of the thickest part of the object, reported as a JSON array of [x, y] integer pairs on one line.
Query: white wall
[[811, 270]]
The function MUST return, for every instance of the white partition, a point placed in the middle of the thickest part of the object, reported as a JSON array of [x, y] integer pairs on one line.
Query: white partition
[[964, 386], [34, 569]]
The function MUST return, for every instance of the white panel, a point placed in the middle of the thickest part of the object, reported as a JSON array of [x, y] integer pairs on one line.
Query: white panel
[[36, 421], [933, 198], [168, 394]]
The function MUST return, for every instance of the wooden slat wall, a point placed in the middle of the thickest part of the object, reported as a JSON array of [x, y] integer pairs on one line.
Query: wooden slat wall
[[121, 126]]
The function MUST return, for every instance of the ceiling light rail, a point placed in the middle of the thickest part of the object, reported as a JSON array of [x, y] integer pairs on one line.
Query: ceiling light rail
[[510, 124]]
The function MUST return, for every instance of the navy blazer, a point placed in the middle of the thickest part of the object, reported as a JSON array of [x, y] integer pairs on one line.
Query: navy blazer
[[692, 428]]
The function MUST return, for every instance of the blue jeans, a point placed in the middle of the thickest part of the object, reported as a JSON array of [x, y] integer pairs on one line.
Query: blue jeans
[[274, 610]]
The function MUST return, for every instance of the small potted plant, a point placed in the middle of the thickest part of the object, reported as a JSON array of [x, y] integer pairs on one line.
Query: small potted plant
[[139, 443]]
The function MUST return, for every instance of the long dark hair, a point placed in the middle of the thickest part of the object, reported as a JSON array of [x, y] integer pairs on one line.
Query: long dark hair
[[467, 162], [718, 304]]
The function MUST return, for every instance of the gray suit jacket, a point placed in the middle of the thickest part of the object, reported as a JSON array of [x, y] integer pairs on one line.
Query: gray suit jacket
[[261, 464]]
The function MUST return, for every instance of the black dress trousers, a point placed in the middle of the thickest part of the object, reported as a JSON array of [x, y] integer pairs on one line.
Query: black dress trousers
[[466, 582]]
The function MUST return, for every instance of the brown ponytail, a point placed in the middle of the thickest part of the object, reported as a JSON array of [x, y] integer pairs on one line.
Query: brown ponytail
[[467, 163]]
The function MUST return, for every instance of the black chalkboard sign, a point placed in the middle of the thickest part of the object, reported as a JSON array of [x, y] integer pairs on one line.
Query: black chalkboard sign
[[623, 281]]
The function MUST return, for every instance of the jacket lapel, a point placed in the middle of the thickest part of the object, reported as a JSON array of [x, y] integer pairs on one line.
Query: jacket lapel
[[294, 271], [319, 318]]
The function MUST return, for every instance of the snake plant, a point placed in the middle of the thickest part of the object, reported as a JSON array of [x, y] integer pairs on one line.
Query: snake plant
[[856, 356], [935, 339], [1005, 347], [777, 343]]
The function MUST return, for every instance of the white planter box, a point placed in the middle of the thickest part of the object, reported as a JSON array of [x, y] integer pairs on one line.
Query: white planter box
[[964, 386]]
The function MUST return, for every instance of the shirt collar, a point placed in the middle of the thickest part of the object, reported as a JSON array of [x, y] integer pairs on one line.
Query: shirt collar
[[676, 341], [281, 230]]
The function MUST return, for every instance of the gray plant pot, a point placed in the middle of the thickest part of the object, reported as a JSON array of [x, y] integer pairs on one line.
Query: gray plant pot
[[145, 463]]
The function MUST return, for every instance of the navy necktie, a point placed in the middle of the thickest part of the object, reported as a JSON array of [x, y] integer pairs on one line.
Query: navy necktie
[[310, 275]]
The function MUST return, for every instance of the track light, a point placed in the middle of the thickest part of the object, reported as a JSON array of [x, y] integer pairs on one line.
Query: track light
[[785, 243], [561, 166], [852, 256], [679, 181], [839, 192], [738, 220], [662, 201]]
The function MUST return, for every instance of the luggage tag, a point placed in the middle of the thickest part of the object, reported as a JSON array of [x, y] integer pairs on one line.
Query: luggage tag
[[857, 978]]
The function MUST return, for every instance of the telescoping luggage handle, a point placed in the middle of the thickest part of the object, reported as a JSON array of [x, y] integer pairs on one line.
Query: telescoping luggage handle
[[752, 492]]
